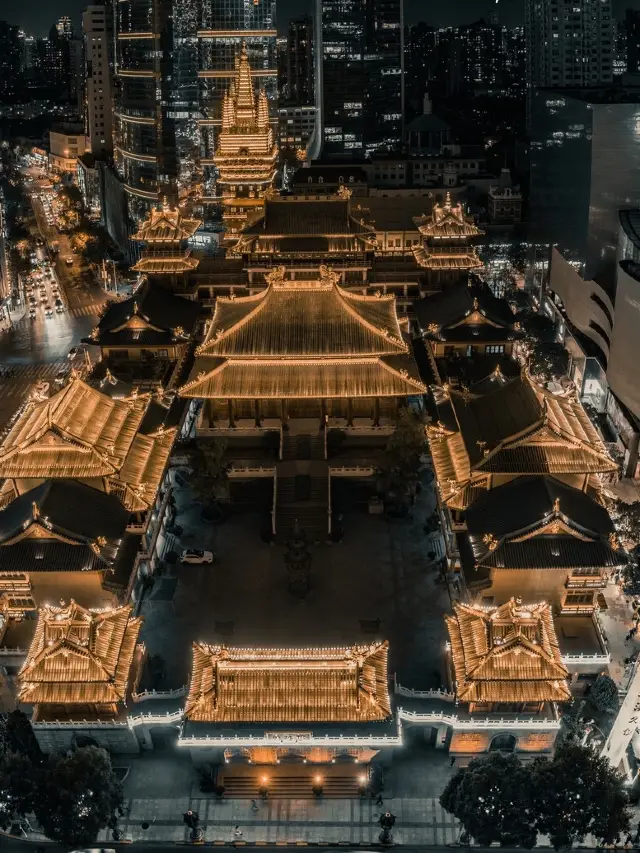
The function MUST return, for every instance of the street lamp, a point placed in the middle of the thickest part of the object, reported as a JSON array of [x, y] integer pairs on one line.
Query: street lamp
[[387, 822]]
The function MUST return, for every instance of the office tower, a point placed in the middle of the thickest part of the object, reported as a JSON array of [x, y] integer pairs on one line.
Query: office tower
[[632, 32], [144, 144], [97, 30], [10, 58], [359, 75], [482, 56], [585, 167], [77, 73], [569, 42], [297, 84]]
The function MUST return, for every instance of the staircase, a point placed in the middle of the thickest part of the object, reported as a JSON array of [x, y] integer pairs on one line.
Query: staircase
[[290, 786], [302, 487]]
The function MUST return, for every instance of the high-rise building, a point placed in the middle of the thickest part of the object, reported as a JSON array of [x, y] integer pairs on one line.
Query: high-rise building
[[569, 42], [97, 29], [144, 144], [632, 32], [297, 86], [359, 75], [10, 58]]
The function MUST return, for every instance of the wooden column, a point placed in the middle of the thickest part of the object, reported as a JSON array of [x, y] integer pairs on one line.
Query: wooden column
[[376, 411], [349, 412], [230, 407], [323, 412], [257, 412], [285, 414]]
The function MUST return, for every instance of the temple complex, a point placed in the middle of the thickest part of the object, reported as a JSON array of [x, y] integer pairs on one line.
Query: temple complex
[[166, 257], [447, 248], [246, 152]]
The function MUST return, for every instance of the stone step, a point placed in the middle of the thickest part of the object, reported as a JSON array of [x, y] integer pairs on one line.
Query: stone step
[[293, 787]]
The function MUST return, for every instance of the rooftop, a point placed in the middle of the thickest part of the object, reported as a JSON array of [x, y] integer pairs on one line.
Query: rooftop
[[289, 685], [465, 303], [506, 654], [166, 225], [80, 657]]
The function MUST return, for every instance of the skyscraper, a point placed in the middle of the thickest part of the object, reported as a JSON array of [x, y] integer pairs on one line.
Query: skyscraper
[[359, 75], [632, 31], [297, 83], [96, 27], [144, 145], [10, 58], [569, 42]]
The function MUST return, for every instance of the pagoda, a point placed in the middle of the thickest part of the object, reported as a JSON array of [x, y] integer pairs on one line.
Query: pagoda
[[447, 242], [245, 156], [166, 255], [81, 664]]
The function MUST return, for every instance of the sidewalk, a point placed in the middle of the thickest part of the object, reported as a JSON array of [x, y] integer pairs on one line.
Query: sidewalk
[[419, 821]]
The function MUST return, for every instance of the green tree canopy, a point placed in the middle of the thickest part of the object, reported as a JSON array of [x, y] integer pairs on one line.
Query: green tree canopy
[[17, 736], [210, 470], [627, 519], [604, 695], [578, 793], [548, 361], [491, 799], [400, 461], [78, 795], [17, 787]]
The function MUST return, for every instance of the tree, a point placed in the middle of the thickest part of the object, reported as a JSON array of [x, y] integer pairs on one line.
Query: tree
[[627, 520], [17, 787], [547, 361], [211, 468], [17, 736], [578, 793], [604, 695], [78, 795], [491, 800], [400, 462]]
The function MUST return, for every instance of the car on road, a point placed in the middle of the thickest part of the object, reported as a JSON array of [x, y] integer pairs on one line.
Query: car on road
[[195, 557], [73, 352], [61, 377], [58, 301], [32, 314], [48, 311]]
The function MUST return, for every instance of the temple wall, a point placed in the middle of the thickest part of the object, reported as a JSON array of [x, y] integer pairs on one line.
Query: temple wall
[[525, 743], [120, 740]]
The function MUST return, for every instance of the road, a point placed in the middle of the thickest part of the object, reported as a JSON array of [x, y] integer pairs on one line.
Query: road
[[35, 348]]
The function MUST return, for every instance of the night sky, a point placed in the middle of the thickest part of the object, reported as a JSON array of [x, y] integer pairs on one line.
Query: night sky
[[37, 16]]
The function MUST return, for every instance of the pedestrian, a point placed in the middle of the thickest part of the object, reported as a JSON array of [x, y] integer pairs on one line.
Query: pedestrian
[[254, 806], [237, 832], [453, 761], [379, 801]]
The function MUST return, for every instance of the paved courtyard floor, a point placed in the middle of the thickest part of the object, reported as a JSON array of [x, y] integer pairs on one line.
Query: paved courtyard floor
[[377, 583]]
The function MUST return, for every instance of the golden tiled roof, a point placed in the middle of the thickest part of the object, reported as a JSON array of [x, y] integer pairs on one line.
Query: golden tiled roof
[[77, 433], [144, 467], [520, 428], [443, 260], [233, 685], [447, 220], [166, 225], [159, 265], [506, 654], [304, 339], [79, 657]]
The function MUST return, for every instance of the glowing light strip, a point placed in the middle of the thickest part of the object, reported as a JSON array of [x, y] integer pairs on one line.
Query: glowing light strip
[[245, 34], [127, 36], [141, 193], [122, 73], [144, 158], [135, 119], [231, 73]]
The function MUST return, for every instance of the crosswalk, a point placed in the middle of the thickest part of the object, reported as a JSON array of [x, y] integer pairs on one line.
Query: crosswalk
[[92, 310], [23, 376]]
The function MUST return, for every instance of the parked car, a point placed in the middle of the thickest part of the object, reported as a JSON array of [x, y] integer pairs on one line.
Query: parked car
[[61, 377], [73, 352], [197, 557]]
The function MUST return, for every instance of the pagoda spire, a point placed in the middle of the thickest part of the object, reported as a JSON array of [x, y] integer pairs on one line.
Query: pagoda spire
[[228, 117], [263, 110], [245, 105]]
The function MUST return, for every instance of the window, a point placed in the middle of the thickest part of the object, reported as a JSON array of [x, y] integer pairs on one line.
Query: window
[[494, 349]]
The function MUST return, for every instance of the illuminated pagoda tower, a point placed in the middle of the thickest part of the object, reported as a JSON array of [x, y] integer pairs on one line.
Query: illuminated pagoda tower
[[301, 358], [82, 667], [246, 152], [166, 256], [447, 242], [313, 705]]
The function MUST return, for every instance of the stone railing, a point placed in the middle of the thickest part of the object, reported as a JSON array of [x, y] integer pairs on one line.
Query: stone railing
[[79, 724], [178, 693], [12, 652], [477, 722], [351, 470], [242, 470], [443, 695], [585, 657]]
